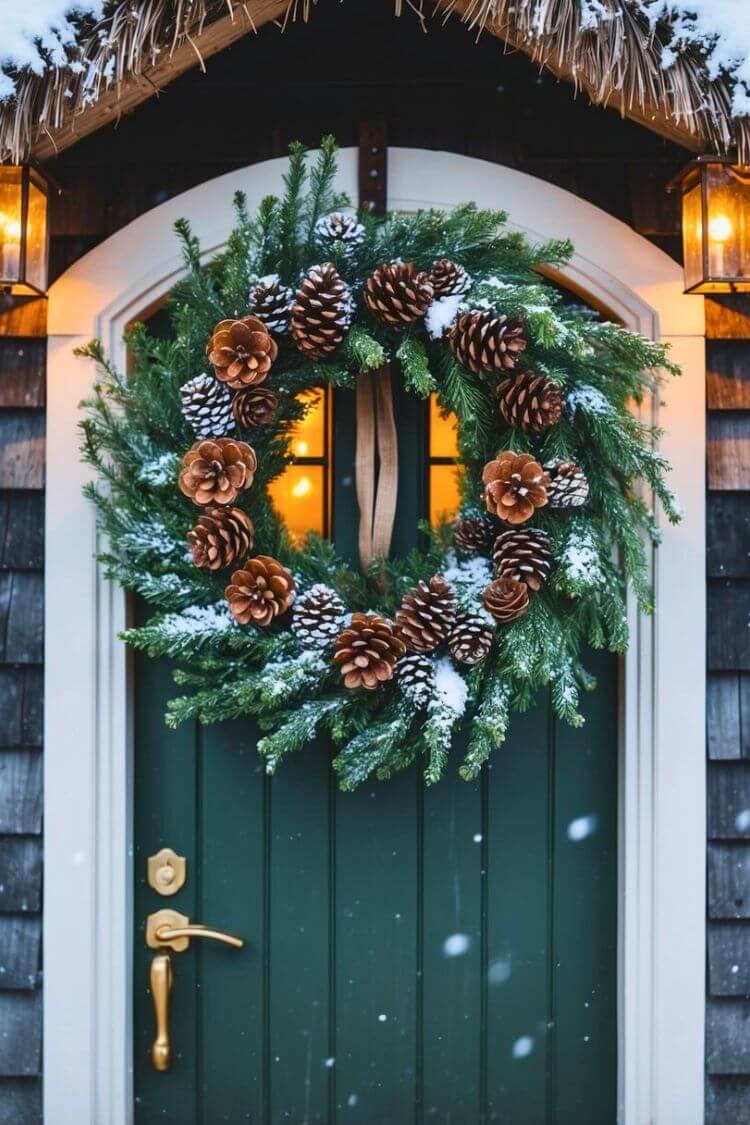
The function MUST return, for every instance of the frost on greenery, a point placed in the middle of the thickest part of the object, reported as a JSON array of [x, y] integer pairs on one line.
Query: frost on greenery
[[579, 569], [441, 314], [151, 538], [468, 577], [160, 470], [284, 680], [589, 399], [444, 710]]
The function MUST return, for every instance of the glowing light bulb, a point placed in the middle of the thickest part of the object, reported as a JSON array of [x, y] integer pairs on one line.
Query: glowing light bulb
[[719, 228], [10, 229], [302, 487]]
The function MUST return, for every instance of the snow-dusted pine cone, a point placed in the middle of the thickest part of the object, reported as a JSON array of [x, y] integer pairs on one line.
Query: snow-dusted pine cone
[[416, 678], [338, 227], [472, 534], [515, 485], [367, 651], [254, 406], [448, 279], [568, 486], [470, 639], [506, 599], [272, 302], [530, 402], [322, 311], [261, 591], [426, 615], [241, 351], [220, 537], [483, 341], [398, 294], [317, 617], [207, 406], [523, 554]]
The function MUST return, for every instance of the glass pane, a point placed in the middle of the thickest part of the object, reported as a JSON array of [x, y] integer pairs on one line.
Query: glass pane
[[36, 244], [445, 492], [442, 432], [692, 236], [298, 496], [10, 223], [309, 436]]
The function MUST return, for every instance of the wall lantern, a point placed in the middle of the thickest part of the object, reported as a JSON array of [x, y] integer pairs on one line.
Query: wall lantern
[[715, 225], [24, 231]]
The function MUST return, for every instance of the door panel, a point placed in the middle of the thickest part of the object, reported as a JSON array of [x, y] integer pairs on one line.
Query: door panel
[[412, 955]]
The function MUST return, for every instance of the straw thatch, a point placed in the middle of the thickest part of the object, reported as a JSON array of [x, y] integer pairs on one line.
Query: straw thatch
[[617, 58]]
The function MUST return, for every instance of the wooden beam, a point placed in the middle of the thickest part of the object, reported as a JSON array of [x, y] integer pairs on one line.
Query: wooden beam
[[124, 97], [652, 116]]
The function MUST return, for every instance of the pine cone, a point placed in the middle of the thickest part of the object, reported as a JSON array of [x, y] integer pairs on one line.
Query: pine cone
[[471, 534], [241, 351], [207, 406], [568, 486], [470, 639], [416, 678], [261, 591], [367, 651], [317, 617], [254, 406], [515, 485], [506, 599], [398, 294], [426, 615], [523, 554], [322, 311], [482, 341], [216, 472], [338, 227], [530, 402], [272, 302], [220, 536], [448, 279]]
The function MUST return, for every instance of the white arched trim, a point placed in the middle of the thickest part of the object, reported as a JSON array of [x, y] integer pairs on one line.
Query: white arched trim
[[88, 869]]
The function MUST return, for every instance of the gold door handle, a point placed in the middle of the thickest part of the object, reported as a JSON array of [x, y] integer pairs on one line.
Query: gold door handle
[[161, 986], [168, 929]]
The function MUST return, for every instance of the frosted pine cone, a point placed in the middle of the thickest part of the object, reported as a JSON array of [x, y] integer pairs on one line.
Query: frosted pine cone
[[322, 311], [272, 302], [482, 341], [448, 279], [261, 591], [338, 227], [530, 402], [317, 617], [207, 406], [506, 599], [398, 294], [471, 639], [416, 678], [367, 651], [568, 486], [523, 554], [220, 537], [426, 615]]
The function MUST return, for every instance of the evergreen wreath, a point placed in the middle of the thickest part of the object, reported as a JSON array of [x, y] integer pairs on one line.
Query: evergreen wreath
[[558, 479]]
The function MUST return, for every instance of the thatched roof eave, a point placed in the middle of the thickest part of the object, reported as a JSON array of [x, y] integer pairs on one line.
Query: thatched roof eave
[[143, 45]]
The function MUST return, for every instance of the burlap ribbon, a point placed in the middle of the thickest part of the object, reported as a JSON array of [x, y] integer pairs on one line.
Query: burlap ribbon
[[376, 488]]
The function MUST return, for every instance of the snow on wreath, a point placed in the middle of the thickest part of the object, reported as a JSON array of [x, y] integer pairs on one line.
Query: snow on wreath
[[388, 659]]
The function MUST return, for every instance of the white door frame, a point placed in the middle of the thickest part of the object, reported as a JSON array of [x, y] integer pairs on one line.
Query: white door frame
[[88, 851]]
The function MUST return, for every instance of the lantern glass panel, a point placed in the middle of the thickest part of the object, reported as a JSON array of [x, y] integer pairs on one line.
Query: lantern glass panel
[[692, 235], [36, 237], [11, 198]]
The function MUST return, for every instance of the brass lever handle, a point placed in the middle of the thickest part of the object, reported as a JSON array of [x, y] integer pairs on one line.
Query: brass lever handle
[[167, 928], [161, 986]]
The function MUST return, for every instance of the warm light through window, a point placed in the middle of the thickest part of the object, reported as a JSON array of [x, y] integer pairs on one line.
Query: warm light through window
[[444, 474], [299, 494]]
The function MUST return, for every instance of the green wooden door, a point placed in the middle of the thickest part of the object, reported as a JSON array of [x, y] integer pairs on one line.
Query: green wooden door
[[413, 955]]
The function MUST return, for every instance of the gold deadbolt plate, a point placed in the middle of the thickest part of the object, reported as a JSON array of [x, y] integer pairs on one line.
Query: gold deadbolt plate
[[166, 872]]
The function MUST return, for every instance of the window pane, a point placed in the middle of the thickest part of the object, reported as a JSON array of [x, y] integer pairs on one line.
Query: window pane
[[442, 432], [298, 496], [36, 243], [309, 436], [445, 493]]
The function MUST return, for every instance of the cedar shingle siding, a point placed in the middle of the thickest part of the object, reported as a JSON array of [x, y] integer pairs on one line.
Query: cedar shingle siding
[[450, 93]]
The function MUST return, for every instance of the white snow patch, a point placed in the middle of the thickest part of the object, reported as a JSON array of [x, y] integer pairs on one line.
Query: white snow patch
[[35, 26], [450, 687], [468, 577], [523, 1047], [382, 1017], [456, 945], [329, 1063], [499, 971], [589, 399], [441, 314], [580, 559], [197, 621], [160, 470], [742, 820], [582, 827]]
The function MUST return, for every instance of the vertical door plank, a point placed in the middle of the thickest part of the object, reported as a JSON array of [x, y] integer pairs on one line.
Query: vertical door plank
[[376, 961], [165, 807], [517, 835], [584, 874], [301, 1048], [232, 847], [451, 929]]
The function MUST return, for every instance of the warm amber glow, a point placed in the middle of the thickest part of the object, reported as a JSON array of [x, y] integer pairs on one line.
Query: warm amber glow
[[719, 228], [301, 448], [23, 230], [443, 436], [302, 488], [445, 492], [297, 495], [308, 435]]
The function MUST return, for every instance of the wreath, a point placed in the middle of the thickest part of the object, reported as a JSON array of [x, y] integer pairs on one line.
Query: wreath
[[559, 479]]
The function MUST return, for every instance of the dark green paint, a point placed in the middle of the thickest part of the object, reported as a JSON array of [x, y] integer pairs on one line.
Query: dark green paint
[[346, 902]]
